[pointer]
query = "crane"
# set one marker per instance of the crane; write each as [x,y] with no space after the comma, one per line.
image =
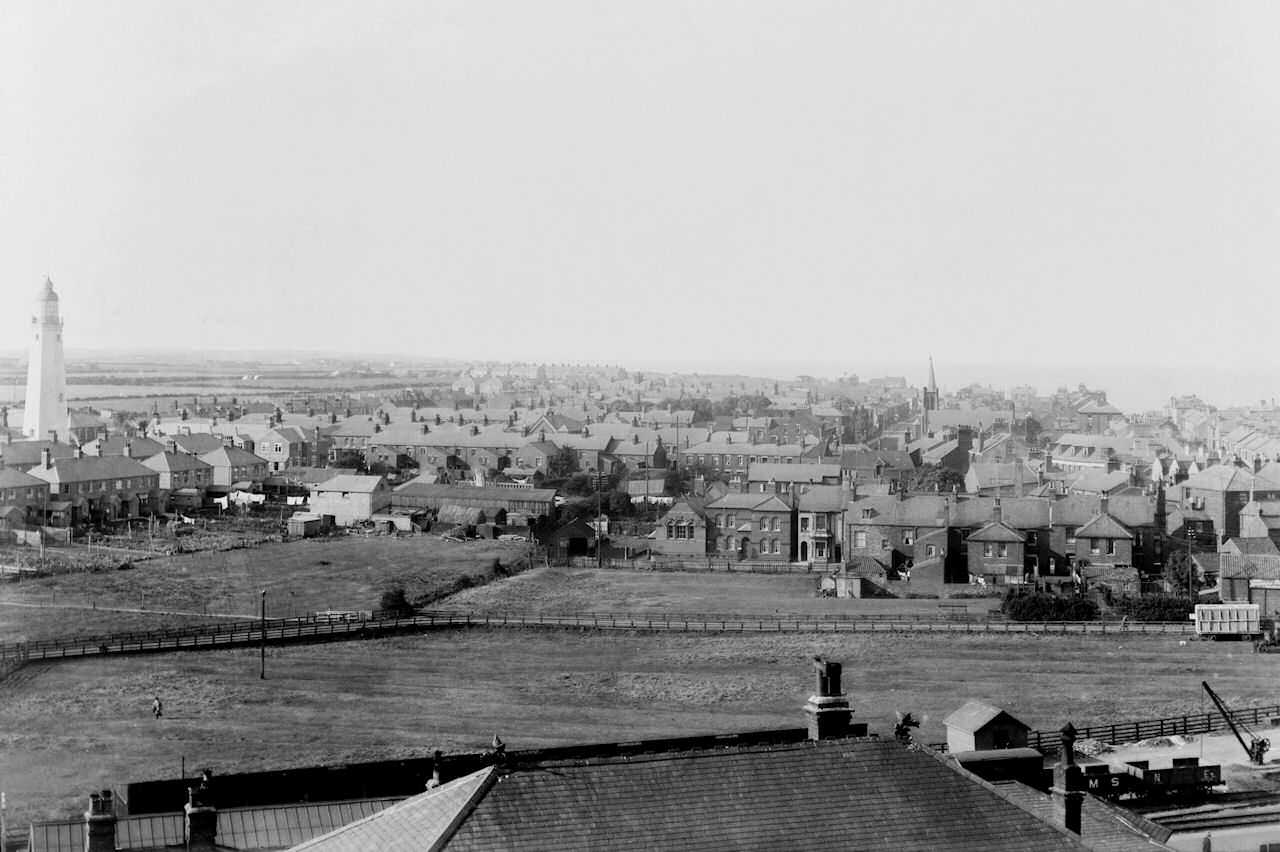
[1257,747]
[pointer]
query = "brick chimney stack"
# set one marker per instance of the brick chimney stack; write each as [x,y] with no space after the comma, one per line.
[100,823]
[128,450]
[997,513]
[202,817]
[46,458]
[828,708]
[1068,786]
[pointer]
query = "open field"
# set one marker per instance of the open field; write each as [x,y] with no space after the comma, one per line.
[69,728]
[299,577]
[558,589]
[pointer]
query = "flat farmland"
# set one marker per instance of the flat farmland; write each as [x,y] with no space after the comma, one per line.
[72,727]
[563,590]
[348,573]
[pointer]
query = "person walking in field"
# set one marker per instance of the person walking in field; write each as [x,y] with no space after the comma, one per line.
[157,708]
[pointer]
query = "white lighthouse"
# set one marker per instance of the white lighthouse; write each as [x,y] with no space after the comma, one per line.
[46,409]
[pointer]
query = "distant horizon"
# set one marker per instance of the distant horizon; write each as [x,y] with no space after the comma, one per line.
[1134,390]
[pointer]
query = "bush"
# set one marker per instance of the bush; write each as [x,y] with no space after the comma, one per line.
[1038,606]
[394,602]
[1155,608]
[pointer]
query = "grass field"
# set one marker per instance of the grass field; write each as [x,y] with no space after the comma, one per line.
[560,590]
[299,577]
[72,727]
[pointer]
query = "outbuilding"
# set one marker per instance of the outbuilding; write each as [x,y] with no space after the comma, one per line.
[978,726]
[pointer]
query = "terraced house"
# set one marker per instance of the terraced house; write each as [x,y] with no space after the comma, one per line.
[93,489]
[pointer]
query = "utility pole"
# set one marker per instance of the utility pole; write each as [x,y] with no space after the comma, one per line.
[262,675]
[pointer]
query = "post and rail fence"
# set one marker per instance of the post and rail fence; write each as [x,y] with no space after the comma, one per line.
[1049,743]
[323,627]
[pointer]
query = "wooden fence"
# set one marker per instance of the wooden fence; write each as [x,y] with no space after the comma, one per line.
[289,630]
[1050,742]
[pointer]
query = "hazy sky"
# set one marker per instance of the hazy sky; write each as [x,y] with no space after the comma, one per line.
[1038,182]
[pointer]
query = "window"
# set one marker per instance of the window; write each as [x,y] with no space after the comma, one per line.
[930,550]
[1095,545]
[715,461]
[884,544]
[1111,547]
[720,520]
[537,462]
[908,536]
[1033,538]
[820,523]
[702,459]
[859,539]
[820,549]
[279,448]
[774,525]
[988,550]
[728,543]
[774,545]
[762,523]
[1071,535]
[804,523]
[732,519]
[866,513]
[1002,550]
[739,461]
[671,529]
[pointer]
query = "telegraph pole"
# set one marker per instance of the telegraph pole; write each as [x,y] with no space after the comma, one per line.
[262,675]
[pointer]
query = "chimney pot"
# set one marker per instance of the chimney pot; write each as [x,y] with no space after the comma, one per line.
[100,823]
[828,708]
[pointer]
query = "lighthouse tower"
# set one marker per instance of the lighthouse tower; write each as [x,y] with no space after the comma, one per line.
[46,376]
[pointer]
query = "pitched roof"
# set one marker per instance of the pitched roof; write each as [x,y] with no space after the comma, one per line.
[29,452]
[974,715]
[167,462]
[753,502]
[231,457]
[1104,826]
[1227,477]
[12,478]
[999,532]
[353,483]
[765,471]
[1103,526]
[867,793]
[426,821]
[89,468]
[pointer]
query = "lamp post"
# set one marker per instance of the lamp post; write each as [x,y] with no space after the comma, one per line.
[262,674]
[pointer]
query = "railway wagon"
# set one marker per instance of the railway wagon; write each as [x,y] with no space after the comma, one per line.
[1229,620]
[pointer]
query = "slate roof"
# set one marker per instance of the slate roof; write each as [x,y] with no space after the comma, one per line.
[1105,827]
[197,442]
[167,462]
[1103,526]
[765,471]
[1226,477]
[997,532]
[90,468]
[231,457]
[238,828]
[856,793]
[754,502]
[139,448]
[11,478]
[23,453]
[1099,482]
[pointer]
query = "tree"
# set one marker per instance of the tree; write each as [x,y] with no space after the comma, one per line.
[660,456]
[394,602]
[935,477]
[1180,573]
[563,463]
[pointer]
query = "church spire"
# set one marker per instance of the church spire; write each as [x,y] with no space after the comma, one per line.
[933,382]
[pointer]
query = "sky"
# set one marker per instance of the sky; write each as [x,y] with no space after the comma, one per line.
[845,182]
